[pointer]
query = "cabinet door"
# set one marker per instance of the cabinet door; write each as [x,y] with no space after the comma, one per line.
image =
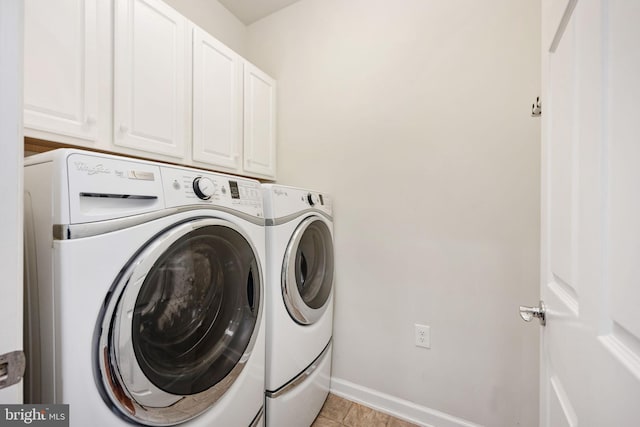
[149,77]
[259,122]
[217,98]
[60,67]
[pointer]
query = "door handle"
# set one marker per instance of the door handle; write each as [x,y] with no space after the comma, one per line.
[528,313]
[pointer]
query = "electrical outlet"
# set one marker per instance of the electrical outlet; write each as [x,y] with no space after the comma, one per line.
[423,336]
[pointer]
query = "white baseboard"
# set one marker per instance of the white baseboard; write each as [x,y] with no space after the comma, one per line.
[398,408]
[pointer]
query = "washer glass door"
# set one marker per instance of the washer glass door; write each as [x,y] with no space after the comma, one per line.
[181,322]
[307,271]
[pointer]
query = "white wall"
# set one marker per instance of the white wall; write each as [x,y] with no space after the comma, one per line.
[415,115]
[214,18]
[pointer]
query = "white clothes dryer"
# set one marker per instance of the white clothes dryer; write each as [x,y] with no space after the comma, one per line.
[145,292]
[299,291]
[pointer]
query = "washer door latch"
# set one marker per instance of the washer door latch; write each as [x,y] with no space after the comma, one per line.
[12,367]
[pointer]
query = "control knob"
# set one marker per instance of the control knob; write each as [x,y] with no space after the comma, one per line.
[203,187]
[310,199]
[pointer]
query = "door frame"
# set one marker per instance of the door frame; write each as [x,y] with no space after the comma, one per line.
[11,191]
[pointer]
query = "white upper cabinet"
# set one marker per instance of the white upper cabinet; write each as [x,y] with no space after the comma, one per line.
[217,103]
[60,69]
[233,111]
[259,123]
[150,57]
[135,77]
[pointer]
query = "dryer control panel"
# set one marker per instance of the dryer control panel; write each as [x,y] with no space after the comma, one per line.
[284,201]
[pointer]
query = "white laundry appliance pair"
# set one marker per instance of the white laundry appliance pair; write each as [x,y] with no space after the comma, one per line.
[145,292]
[299,295]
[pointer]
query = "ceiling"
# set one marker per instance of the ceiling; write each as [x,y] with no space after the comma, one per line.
[249,11]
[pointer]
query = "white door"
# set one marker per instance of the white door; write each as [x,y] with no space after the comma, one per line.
[217,103]
[60,68]
[11,195]
[149,77]
[259,122]
[590,277]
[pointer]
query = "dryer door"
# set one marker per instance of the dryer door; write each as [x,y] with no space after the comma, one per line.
[307,271]
[180,323]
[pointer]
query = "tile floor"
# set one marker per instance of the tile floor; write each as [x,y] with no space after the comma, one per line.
[338,412]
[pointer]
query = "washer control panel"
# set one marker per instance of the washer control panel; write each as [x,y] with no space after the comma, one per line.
[184,186]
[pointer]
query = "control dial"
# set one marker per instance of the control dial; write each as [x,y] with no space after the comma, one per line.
[310,199]
[203,187]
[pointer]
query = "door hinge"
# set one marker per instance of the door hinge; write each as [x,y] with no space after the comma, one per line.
[12,367]
[536,108]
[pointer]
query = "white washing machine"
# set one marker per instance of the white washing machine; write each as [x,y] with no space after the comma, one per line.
[299,291]
[145,292]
